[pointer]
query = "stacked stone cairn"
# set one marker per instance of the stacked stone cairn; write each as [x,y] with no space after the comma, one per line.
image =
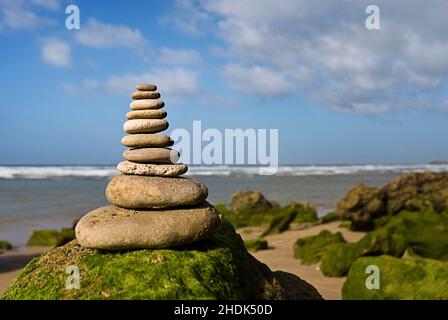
[151,205]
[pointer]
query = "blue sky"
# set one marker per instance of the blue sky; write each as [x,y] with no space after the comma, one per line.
[337,92]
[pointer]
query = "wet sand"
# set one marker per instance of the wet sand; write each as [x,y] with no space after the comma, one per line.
[280,256]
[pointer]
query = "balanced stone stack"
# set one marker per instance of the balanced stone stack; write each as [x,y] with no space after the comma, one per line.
[152,206]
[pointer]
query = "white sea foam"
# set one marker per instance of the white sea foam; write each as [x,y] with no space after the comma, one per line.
[55,172]
[49,172]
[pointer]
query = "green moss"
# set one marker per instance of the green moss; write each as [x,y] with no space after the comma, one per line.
[256,244]
[215,268]
[346,224]
[276,220]
[339,257]
[306,213]
[51,237]
[5,245]
[311,249]
[424,233]
[330,217]
[247,218]
[399,279]
[281,223]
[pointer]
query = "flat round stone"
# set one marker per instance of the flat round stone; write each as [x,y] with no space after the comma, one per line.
[137,95]
[145,104]
[137,192]
[144,140]
[145,125]
[146,87]
[146,114]
[113,228]
[166,170]
[152,155]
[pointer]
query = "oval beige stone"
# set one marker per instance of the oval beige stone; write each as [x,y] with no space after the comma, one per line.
[145,125]
[145,104]
[152,155]
[166,170]
[144,140]
[137,95]
[113,228]
[146,87]
[136,192]
[146,114]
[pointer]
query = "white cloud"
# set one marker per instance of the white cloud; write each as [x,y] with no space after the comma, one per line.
[21,15]
[188,17]
[179,56]
[257,80]
[101,35]
[56,53]
[322,49]
[52,5]
[175,83]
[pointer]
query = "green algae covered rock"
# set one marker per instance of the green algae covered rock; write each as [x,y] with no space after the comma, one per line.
[362,205]
[339,257]
[311,249]
[276,219]
[280,223]
[345,224]
[256,244]
[423,233]
[216,268]
[399,279]
[250,201]
[306,213]
[5,246]
[330,217]
[49,238]
[409,192]
[248,218]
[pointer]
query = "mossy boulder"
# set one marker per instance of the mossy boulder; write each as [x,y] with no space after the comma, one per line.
[276,219]
[306,213]
[49,238]
[330,217]
[409,192]
[5,246]
[424,234]
[280,223]
[345,224]
[339,257]
[253,218]
[216,268]
[362,205]
[256,244]
[311,249]
[428,187]
[400,279]
[249,201]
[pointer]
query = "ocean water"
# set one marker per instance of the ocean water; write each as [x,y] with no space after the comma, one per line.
[47,197]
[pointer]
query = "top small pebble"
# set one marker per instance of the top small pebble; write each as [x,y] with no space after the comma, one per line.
[146,87]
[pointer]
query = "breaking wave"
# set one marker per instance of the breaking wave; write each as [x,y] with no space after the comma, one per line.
[98,172]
